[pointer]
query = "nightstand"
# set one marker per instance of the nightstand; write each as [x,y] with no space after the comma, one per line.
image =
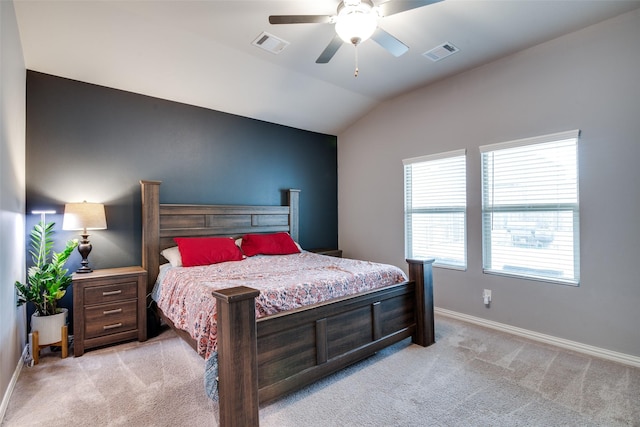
[331,252]
[109,306]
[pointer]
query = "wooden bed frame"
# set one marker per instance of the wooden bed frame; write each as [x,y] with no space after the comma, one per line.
[262,360]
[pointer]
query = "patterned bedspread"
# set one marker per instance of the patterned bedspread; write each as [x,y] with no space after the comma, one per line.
[285,282]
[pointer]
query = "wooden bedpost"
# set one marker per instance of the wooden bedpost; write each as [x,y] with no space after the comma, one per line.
[421,272]
[237,356]
[294,213]
[150,230]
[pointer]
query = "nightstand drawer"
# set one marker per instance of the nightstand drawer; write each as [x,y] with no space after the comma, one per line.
[110,318]
[110,292]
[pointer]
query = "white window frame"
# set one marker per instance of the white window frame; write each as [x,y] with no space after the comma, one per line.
[531,264]
[459,261]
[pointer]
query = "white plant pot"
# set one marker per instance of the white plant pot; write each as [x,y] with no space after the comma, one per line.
[49,327]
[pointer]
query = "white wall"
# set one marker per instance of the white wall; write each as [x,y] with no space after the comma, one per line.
[12,192]
[586,80]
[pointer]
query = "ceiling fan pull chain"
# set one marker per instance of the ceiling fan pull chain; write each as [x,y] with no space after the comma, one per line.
[355,74]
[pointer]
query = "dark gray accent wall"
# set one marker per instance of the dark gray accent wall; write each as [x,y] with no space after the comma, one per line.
[87,142]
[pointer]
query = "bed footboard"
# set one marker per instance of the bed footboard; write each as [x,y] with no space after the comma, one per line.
[262,360]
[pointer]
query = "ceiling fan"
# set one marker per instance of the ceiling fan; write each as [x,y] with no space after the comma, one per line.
[355,22]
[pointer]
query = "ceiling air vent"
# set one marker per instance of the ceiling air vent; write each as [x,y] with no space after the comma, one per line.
[441,52]
[270,43]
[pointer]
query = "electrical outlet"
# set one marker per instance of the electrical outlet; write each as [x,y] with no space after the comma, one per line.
[486,296]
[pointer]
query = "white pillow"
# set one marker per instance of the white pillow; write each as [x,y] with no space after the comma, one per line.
[173,256]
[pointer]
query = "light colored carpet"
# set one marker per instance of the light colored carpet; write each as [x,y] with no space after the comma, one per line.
[472,376]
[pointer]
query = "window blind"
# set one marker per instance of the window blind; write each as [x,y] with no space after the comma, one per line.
[435,208]
[530,210]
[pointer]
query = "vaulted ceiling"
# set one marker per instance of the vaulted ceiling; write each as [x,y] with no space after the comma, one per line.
[201,52]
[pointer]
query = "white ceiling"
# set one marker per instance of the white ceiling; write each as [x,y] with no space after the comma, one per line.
[200,52]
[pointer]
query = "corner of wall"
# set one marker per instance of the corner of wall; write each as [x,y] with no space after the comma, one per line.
[12,197]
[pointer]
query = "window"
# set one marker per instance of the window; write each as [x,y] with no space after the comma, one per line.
[436,208]
[530,215]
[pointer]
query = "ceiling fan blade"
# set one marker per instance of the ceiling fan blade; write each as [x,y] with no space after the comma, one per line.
[394,46]
[299,19]
[392,7]
[330,50]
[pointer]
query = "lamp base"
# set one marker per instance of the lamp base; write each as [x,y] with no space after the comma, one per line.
[84,247]
[84,269]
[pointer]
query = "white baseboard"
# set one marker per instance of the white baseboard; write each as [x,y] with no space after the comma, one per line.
[12,383]
[627,359]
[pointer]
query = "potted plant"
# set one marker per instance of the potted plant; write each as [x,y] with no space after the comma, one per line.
[47,282]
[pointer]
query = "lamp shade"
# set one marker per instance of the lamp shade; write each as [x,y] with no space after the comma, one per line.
[84,216]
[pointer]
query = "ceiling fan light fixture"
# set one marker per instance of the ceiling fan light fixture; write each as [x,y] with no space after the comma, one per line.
[356,21]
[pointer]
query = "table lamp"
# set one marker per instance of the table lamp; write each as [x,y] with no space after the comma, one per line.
[84,216]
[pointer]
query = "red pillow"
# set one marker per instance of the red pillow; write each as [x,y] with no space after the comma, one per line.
[269,244]
[207,250]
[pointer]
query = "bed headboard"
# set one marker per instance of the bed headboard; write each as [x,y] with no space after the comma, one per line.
[162,222]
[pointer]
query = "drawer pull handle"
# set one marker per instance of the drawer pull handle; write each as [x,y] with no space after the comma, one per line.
[115,325]
[108,293]
[115,311]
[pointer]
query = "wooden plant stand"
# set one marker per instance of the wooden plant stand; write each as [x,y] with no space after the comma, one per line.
[64,343]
